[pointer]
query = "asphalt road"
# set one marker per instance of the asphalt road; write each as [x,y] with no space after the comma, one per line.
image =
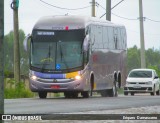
[62,105]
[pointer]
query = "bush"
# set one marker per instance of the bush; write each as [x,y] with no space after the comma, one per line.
[13,93]
[18,92]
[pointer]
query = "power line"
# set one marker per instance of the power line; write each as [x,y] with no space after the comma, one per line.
[124,17]
[117,4]
[97,4]
[62,7]
[152,20]
[47,7]
[113,13]
[146,34]
[146,18]
[111,8]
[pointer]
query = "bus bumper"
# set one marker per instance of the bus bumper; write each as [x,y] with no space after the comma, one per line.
[60,85]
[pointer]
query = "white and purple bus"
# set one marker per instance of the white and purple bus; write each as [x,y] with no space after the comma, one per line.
[73,54]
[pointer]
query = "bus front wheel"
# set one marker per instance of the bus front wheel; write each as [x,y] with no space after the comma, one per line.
[42,95]
[85,94]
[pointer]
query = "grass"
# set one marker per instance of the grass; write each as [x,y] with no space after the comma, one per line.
[16,90]
[14,93]
[120,91]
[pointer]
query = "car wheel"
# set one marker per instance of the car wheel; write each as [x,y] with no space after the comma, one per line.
[154,92]
[157,92]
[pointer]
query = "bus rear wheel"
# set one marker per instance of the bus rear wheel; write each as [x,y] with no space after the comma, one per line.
[113,92]
[42,95]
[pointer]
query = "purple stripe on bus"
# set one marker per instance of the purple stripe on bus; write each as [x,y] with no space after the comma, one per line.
[49,76]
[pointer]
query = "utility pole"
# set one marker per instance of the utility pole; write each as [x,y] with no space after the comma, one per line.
[1,57]
[14,6]
[93,8]
[143,61]
[108,10]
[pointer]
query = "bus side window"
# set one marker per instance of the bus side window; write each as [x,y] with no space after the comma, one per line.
[120,42]
[105,37]
[123,37]
[99,37]
[111,38]
[93,37]
[86,57]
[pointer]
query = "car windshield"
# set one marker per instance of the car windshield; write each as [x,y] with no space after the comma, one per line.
[57,51]
[140,74]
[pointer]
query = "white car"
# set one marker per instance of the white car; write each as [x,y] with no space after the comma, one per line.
[142,81]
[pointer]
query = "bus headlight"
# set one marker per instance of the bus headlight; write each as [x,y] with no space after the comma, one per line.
[33,77]
[78,77]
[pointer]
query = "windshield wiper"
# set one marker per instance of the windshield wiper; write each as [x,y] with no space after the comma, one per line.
[62,56]
[61,53]
[48,56]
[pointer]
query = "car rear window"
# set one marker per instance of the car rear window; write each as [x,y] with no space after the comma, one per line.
[141,74]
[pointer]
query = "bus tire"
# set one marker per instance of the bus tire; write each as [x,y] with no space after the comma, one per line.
[74,95]
[66,95]
[113,92]
[91,84]
[85,94]
[119,80]
[42,95]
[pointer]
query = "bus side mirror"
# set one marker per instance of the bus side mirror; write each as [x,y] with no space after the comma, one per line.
[86,43]
[25,42]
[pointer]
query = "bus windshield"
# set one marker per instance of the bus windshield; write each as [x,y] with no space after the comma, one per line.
[56,50]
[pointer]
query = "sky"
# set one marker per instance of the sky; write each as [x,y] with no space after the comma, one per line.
[126,13]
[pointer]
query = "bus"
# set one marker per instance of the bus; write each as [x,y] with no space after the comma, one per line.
[77,56]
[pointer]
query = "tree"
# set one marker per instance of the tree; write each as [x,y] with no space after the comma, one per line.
[24,62]
[133,58]
[8,45]
[152,58]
